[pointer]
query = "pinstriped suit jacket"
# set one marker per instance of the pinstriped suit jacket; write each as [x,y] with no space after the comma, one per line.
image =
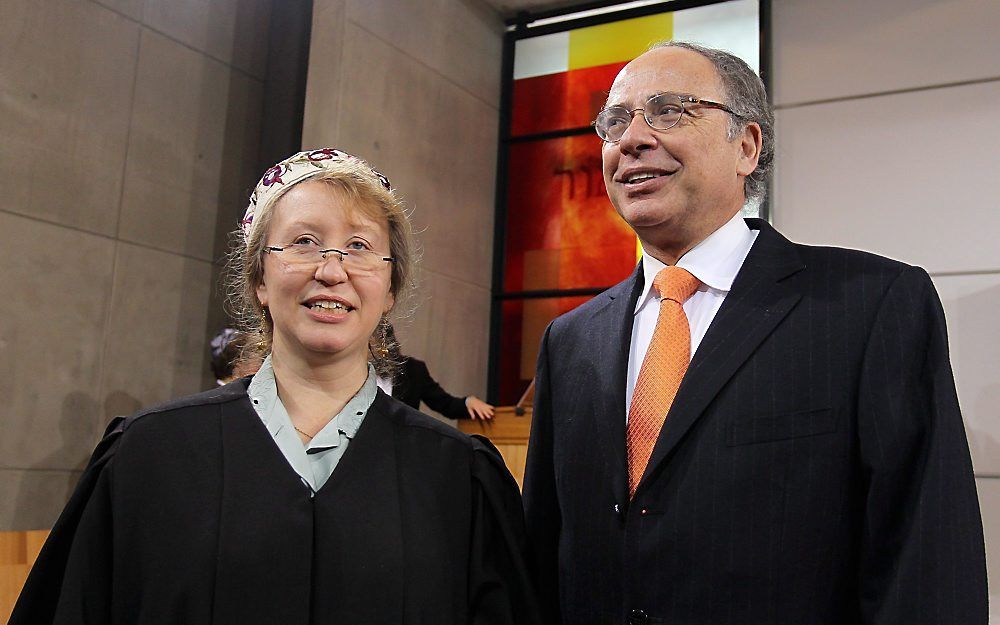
[813,469]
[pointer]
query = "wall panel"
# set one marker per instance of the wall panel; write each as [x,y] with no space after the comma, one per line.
[989,502]
[120,121]
[413,87]
[64,125]
[840,49]
[910,176]
[57,283]
[971,303]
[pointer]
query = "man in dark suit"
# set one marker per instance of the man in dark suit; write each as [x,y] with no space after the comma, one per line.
[746,430]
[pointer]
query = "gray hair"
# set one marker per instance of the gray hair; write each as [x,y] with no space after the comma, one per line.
[745,94]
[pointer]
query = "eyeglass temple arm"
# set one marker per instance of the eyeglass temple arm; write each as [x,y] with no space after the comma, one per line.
[693,100]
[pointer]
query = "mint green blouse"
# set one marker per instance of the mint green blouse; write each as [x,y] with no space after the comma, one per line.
[316,461]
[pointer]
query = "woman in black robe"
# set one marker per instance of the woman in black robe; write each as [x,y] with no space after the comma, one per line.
[302,495]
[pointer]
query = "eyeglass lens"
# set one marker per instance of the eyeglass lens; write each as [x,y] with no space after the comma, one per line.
[309,256]
[662,112]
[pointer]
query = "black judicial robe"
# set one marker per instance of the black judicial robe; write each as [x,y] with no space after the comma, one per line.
[189,513]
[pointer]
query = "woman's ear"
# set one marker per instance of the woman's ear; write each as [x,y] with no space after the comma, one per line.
[262,294]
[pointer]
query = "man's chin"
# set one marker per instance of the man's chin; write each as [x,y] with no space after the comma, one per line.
[647,214]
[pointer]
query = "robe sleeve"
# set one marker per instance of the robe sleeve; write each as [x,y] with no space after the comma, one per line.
[500,587]
[70,581]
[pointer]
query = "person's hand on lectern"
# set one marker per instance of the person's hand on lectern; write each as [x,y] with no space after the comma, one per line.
[478,409]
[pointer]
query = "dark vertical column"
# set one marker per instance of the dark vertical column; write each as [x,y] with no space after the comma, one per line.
[249,151]
[285,84]
[765,75]
[500,218]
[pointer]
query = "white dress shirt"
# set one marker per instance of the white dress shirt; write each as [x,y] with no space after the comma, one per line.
[385,384]
[715,262]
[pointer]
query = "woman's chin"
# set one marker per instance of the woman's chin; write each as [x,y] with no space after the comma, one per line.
[326,349]
[323,346]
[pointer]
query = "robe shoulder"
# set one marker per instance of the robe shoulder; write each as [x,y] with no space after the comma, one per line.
[486,461]
[407,417]
[232,392]
[82,533]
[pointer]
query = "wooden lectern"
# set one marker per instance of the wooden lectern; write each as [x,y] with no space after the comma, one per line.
[508,430]
[18,551]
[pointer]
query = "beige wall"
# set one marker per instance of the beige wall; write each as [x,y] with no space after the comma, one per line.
[887,140]
[414,86]
[124,126]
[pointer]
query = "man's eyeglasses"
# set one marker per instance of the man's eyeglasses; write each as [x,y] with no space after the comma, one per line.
[302,257]
[661,112]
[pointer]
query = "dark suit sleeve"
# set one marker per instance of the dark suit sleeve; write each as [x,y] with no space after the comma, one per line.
[70,581]
[923,557]
[433,395]
[501,591]
[541,504]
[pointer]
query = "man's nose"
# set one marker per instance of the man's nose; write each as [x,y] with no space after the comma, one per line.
[639,135]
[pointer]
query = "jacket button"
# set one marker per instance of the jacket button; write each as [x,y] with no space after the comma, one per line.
[637,617]
[644,511]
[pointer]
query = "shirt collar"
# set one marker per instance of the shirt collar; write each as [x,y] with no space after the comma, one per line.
[263,392]
[715,261]
[348,420]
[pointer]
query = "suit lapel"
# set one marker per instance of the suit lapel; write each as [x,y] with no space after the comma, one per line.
[764,292]
[612,330]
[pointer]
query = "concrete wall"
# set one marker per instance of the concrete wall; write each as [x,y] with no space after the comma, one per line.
[888,139]
[128,129]
[413,86]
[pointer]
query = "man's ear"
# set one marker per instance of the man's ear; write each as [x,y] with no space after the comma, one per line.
[750,146]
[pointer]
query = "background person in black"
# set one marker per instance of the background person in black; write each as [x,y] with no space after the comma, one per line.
[225,349]
[413,383]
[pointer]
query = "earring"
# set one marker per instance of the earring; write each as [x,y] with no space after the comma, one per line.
[262,344]
[381,339]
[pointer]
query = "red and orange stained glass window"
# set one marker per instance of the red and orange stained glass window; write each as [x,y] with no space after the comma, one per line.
[563,240]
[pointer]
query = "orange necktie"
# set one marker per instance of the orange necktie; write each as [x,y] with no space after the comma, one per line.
[662,369]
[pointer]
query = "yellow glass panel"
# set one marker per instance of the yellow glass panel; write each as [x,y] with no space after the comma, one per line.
[618,41]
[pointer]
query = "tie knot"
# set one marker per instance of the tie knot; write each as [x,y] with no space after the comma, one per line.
[675,283]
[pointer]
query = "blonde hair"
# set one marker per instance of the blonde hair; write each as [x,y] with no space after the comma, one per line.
[245,261]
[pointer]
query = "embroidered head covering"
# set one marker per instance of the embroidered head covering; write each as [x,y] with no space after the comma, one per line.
[293,169]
